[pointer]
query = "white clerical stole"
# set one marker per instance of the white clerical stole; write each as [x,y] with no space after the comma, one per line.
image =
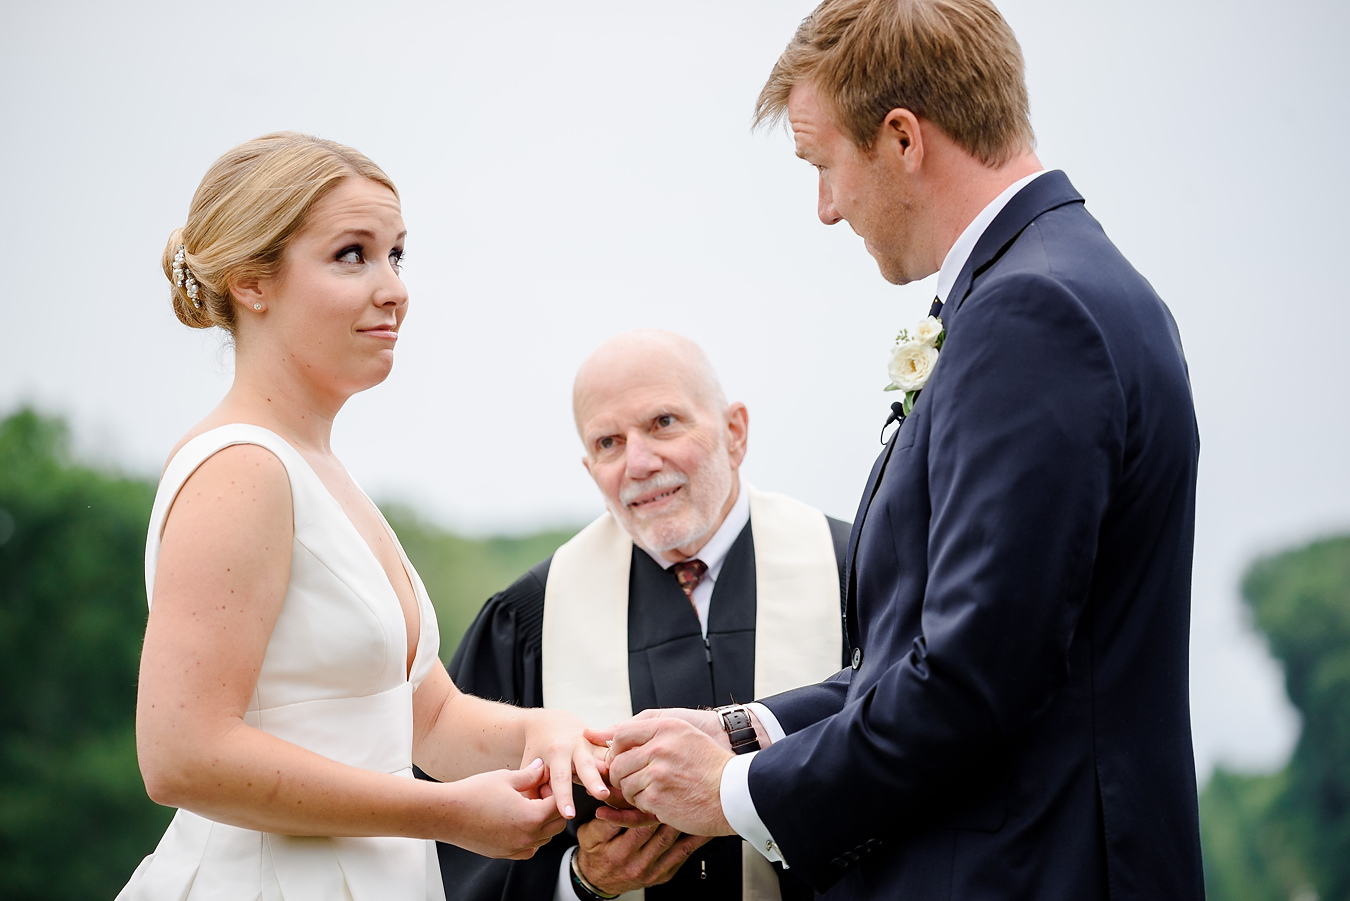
[797,628]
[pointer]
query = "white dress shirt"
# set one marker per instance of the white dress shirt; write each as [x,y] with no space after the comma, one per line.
[713,554]
[737,805]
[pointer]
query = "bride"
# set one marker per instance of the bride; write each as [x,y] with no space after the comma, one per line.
[289,678]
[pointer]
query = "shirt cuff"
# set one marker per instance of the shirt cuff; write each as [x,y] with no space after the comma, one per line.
[739,808]
[563,890]
[768,721]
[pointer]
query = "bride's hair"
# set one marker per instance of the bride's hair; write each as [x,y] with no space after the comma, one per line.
[249,205]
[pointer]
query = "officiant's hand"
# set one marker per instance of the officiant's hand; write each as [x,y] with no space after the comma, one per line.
[670,769]
[557,737]
[617,860]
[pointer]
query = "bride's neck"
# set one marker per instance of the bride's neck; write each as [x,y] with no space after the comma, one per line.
[283,401]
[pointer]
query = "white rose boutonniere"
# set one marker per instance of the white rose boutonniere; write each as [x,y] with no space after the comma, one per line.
[913,358]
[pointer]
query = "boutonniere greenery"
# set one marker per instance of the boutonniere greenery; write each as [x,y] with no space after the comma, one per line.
[913,358]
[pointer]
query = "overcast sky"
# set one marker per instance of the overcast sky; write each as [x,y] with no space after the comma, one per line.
[569,171]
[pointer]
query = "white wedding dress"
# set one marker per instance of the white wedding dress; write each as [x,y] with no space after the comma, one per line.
[333,681]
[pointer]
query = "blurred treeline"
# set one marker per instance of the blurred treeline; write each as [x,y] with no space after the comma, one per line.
[75,820]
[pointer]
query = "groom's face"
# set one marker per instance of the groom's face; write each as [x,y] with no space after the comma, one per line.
[867,189]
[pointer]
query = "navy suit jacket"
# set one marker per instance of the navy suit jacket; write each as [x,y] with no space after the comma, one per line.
[1019,595]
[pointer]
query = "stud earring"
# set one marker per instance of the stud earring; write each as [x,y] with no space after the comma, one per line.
[257,306]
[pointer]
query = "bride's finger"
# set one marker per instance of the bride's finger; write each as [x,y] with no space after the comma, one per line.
[583,761]
[560,780]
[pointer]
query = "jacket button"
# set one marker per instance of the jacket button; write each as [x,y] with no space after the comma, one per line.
[857,658]
[873,844]
[851,856]
[840,863]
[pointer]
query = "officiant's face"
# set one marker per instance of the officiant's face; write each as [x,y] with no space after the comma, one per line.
[869,191]
[662,455]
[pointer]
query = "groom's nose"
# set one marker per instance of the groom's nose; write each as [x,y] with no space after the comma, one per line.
[825,205]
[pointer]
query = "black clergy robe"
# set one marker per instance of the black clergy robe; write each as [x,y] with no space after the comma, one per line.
[669,665]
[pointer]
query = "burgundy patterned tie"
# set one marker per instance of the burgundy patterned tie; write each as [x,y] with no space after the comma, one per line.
[689,573]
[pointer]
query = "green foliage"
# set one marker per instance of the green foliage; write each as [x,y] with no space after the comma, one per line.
[74,816]
[461,573]
[1288,835]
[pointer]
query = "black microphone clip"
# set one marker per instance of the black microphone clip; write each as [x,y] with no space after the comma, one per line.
[897,415]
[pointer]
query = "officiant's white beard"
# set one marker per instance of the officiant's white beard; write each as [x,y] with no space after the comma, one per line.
[690,521]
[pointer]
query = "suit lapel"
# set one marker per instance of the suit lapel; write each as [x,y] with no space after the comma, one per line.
[873,481]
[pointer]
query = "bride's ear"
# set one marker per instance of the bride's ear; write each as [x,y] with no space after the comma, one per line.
[248,293]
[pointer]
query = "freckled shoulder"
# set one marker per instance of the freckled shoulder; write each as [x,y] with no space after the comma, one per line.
[240,487]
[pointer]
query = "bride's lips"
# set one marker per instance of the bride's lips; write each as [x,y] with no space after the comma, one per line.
[655,497]
[387,332]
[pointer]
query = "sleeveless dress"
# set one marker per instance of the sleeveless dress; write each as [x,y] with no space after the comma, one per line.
[333,681]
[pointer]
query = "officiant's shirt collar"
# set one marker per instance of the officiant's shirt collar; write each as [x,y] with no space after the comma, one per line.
[714,553]
[956,258]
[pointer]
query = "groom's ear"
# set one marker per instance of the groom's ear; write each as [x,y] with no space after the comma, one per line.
[900,138]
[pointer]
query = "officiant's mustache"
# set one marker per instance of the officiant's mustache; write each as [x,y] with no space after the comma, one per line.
[662,481]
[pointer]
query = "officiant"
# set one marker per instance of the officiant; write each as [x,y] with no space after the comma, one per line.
[692,590]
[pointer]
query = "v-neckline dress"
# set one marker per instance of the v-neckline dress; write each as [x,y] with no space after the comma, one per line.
[334,680]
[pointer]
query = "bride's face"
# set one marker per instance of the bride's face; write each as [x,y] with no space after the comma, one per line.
[334,308]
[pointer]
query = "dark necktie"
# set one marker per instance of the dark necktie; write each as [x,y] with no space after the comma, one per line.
[936,308]
[689,573]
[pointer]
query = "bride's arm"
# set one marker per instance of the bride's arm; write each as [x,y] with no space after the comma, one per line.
[223,569]
[457,734]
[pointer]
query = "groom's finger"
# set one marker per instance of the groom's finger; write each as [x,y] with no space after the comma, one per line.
[630,735]
[599,737]
[631,818]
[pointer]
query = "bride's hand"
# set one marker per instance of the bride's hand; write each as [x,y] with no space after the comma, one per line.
[504,814]
[556,736]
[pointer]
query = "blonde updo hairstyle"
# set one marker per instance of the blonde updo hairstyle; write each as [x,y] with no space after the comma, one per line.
[249,205]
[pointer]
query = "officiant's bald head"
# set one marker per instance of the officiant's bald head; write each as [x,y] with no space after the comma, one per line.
[661,441]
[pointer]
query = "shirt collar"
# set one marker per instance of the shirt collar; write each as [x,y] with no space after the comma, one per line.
[714,552]
[956,258]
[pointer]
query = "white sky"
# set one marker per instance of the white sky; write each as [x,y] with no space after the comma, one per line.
[570,171]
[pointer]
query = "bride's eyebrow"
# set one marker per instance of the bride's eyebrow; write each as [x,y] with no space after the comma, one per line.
[366,234]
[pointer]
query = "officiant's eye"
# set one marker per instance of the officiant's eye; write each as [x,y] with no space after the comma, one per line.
[665,420]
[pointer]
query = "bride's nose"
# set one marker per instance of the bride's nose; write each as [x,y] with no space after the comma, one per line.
[391,292]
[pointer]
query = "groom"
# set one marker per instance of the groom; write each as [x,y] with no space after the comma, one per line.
[1015,722]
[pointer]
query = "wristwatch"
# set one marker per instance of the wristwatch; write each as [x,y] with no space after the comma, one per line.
[740,728]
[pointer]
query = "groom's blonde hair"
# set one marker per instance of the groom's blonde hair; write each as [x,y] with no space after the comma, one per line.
[251,202]
[953,62]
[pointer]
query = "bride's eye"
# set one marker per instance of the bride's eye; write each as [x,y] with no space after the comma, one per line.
[396,258]
[351,254]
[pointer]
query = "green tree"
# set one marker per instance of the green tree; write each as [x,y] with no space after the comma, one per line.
[1288,835]
[74,816]
[461,573]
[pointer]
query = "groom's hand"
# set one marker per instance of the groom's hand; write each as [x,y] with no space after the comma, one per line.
[672,770]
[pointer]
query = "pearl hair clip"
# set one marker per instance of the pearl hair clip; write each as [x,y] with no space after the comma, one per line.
[182,277]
